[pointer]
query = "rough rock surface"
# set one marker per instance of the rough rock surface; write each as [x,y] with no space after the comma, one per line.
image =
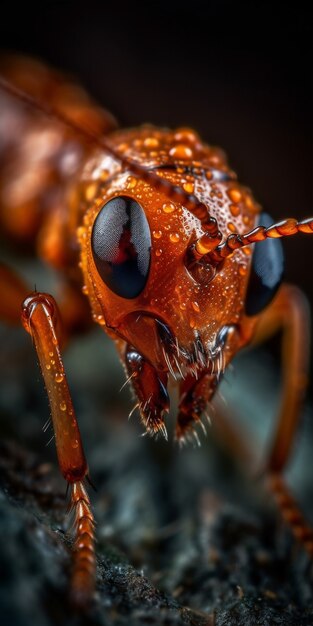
[184,537]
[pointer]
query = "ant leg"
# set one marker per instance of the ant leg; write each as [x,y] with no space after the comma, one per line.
[40,319]
[289,313]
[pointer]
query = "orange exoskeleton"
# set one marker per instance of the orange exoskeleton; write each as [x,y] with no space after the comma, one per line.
[154,228]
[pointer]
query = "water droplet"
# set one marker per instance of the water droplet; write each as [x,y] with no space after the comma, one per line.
[131,182]
[174,237]
[157,234]
[63,406]
[181,152]
[182,306]
[59,377]
[52,362]
[91,191]
[75,444]
[231,227]
[168,207]
[122,147]
[50,353]
[104,175]
[247,251]
[195,306]
[80,233]
[235,195]
[158,252]
[189,187]
[249,203]
[151,142]
[234,209]
[48,366]
[192,323]
[85,290]
[215,160]
[242,270]
[185,134]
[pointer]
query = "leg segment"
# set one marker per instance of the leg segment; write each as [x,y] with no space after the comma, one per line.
[84,566]
[289,312]
[290,512]
[40,319]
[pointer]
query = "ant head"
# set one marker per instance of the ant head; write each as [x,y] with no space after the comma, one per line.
[137,232]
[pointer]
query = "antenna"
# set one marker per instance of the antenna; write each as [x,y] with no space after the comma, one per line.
[174,192]
[285,228]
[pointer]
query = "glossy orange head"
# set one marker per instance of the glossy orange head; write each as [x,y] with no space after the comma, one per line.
[143,287]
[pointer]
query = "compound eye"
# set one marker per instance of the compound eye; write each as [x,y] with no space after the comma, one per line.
[121,246]
[266,271]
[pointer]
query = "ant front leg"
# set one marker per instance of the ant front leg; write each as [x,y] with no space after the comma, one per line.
[41,320]
[288,313]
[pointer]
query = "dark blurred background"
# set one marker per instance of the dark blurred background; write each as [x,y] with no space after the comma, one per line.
[238,73]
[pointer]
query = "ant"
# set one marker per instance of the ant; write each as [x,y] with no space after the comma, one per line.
[154,228]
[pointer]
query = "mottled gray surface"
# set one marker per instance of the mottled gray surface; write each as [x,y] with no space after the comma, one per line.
[182,535]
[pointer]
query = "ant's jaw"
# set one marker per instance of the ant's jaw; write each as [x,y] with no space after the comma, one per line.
[187,368]
[150,387]
[153,340]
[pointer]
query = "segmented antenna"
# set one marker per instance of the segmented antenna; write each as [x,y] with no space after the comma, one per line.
[285,228]
[174,192]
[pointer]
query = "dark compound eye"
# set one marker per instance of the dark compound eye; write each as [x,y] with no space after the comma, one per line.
[121,244]
[266,271]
